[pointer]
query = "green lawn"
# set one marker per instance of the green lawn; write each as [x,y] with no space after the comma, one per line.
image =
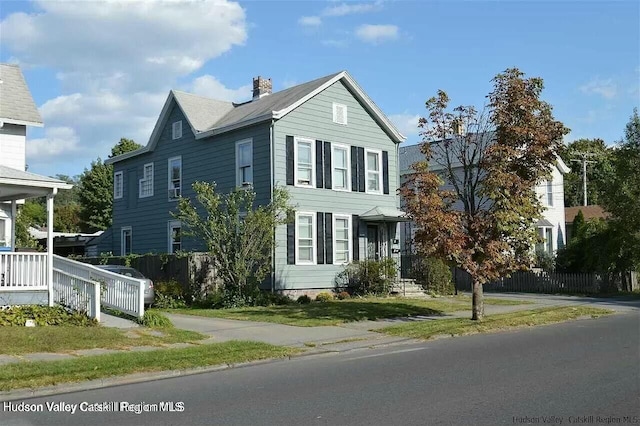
[460,326]
[339,311]
[22,340]
[47,373]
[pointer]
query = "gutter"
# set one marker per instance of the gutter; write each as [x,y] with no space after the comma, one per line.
[271,187]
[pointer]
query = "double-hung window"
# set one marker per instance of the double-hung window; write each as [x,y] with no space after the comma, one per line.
[175,177]
[340,159]
[305,238]
[146,183]
[175,236]
[244,162]
[373,171]
[117,185]
[125,240]
[304,162]
[341,239]
[3,233]
[549,193]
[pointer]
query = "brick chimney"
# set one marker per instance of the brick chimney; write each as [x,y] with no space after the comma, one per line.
[261,87]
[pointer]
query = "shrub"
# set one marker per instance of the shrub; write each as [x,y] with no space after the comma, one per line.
[169,295]
[344,295]
[324,297]
[43,316]
[304,299]
[545,260]
[368,276]
[155,319]
[433,275]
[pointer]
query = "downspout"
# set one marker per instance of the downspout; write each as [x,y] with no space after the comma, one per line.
[272,185]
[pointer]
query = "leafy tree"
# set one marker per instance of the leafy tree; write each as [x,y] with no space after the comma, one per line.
[622,198]
[123,146]
[482,220]
[239,236]
[23,222]
[95,193]
[599,169]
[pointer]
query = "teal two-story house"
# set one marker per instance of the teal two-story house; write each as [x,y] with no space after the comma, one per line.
[325,140]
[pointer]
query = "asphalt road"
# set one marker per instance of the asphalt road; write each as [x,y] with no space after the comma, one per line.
[583,372]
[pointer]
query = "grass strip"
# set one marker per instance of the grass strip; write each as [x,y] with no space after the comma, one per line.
[23,340]
[462,326]
[47,373]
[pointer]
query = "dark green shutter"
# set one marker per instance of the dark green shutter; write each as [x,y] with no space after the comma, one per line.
[328,237]
[291,243]
[354,168]
[290,160]
[385,172]
[361,170]
[327,165]
[355,226]
[319,163]
[320,237]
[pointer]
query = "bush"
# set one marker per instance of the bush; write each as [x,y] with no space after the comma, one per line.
[324,297]
[155,319]
[168,295]
[433,275]
[304,299]
[344,295]
[368,277]
[545,260]
[44,316]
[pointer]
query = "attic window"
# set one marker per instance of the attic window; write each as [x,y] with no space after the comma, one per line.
[340,114]
[177,130]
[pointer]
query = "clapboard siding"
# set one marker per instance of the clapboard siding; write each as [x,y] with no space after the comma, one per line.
[210,159]
[314,120]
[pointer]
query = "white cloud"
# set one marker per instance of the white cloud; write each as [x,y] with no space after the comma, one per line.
[310,21]
[352,8]
[289,83]
[608,89]
[407,124]
[377,33]
[142,42]
[334,43]
[210,87]
[57,142]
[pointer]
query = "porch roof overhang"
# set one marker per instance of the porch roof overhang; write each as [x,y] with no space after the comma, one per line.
[384,214]
[543,223]
[18,185]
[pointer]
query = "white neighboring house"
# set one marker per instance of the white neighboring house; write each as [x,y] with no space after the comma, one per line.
[17,111]
[551,226]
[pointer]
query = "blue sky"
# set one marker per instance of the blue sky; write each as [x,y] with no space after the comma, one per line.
[101,71]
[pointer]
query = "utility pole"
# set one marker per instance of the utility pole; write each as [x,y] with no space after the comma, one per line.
[583,159]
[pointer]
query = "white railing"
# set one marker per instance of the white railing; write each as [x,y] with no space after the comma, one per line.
[119,292]
[23,271]
[77,293]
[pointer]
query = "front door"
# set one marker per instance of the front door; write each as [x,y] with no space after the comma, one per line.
[373,242]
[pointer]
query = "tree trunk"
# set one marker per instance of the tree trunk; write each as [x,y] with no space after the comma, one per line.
[477,302]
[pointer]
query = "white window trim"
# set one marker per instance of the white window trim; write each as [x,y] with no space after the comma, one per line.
[548,189]
[335,116]
[170,186]
[239,182]
[314,239]
[118,189]
[312,182]
[172,224]
[4,241]
[366,169]
[333,166]
[176,130]
[349,237]
[144,179]
[122,245]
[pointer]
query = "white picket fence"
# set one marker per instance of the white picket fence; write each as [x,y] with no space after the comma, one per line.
[77,293]
[125,294]
[23,271]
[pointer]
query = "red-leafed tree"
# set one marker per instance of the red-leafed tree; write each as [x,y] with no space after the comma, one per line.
[473,197]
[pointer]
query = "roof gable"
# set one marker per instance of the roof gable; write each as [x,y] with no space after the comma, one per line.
[16,103]
[208,117]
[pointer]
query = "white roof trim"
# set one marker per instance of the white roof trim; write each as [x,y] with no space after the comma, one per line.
[360,94]
[22,122]
[35,183]
[561,165]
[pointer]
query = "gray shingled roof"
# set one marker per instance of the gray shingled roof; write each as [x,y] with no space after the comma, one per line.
[408,156]
[202,113]
[206,114]
[16,103]
[15,174]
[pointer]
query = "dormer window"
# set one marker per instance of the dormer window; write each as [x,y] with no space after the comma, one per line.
[340,114]
[177,130]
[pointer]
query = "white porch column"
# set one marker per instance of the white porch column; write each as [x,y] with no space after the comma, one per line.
[14,215]
[50,243]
